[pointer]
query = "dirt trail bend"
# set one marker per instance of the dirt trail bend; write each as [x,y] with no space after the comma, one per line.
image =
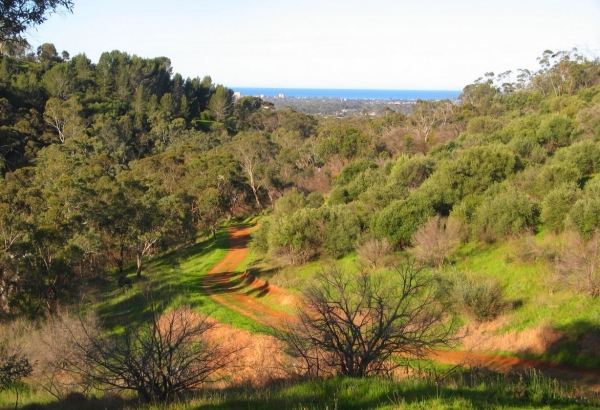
[223,286]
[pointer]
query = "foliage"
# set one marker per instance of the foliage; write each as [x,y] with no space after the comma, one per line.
[557,204]
[508,212]
[400,220]
[18,15]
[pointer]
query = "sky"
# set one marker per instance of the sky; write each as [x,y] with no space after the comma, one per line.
[377,44]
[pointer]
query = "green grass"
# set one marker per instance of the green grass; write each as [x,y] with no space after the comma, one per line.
[528,287]
[175,279]
[467,390]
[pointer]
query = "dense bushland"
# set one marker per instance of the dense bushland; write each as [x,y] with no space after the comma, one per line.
[106,163]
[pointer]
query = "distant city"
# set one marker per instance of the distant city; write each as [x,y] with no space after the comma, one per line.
[364,94]
[345,102]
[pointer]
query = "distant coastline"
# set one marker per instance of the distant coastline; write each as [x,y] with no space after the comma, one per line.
[349,93]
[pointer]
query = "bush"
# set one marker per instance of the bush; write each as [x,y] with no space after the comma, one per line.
[508,212]
[400,220]
[374,250]
[412,172]
[557,204]
[555,130]
[436,240]
[360,324]
[483,125]
[481,299]
[585,156]
[584,216]
[158,360]
[551,176]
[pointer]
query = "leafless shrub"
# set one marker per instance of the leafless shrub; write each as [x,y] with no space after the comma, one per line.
[55,347]
[374,250]
[436,240]
[158,359]
[577,263]
[353,324]
[294,255]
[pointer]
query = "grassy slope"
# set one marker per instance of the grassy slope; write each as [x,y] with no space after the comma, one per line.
[528,285]
[175,279]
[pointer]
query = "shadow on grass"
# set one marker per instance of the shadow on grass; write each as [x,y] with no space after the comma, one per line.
[162,282]
[470,389]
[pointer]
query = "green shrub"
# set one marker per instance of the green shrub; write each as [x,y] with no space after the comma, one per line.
[552,176]
[483,125]
[260,238]
[557,204]
[413,172]
[584,216]
[555,130]
[341,228]
[585,156]
[352,170]
[503,213]
[401,219]
[290,202]
[481,299]
[474,171]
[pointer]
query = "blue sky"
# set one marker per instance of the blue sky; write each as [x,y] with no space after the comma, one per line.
[381,44]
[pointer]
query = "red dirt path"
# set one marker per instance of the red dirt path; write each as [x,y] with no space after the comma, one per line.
[217,282]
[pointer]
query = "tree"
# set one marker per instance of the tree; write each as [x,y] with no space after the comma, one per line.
[436,239]
[64,117]
[12,369]
[254,151]
[221,103]
[18,15]
[360,324]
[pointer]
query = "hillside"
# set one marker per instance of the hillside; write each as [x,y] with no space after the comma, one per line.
[111,171]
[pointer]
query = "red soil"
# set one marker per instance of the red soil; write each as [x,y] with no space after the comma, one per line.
[217,283]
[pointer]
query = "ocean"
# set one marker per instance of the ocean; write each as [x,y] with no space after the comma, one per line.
[349,93]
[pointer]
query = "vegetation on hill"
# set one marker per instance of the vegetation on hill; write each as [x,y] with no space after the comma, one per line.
[104,164]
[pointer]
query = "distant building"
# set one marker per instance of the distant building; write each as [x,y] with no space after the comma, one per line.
[281,96]
[237,95]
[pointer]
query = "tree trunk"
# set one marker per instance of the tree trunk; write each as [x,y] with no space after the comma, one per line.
[139,264]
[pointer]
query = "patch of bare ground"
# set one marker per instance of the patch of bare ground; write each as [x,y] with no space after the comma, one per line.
[486,337]
[254,360]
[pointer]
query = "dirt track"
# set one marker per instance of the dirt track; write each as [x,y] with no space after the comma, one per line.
[218,285]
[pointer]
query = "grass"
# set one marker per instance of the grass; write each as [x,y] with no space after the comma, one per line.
[175,279]
[466,390]
[527,286]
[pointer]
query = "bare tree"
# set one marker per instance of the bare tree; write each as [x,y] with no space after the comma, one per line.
[159,359]
[578,262]
[436,239]
[374,250]
[56,349]
[362,324]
